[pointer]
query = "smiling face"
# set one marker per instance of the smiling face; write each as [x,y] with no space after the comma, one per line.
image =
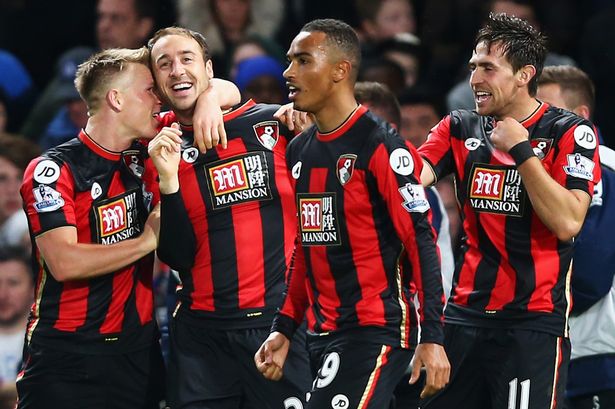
[309,73]
[181,73]
[493,81]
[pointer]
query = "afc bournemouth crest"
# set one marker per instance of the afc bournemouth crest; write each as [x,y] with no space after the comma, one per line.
[345,167]
[541,146]
[267,133]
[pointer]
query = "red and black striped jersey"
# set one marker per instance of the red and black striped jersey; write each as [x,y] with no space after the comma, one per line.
[513,270]
[230,230]
[107,196]
[367,246]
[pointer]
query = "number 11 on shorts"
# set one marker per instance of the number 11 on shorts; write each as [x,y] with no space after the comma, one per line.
[524,402]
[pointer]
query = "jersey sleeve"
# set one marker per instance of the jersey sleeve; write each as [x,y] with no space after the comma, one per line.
[437,149]
[48,192]
[177,243]
[296,299]
[577,164]
[396,167]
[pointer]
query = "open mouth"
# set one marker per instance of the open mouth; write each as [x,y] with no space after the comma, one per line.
[181,87]
[292,92]
[481,96]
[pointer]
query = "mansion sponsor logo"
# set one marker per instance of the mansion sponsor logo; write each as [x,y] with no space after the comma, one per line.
[240,179]
[318,219]
[117,219]
[496,189]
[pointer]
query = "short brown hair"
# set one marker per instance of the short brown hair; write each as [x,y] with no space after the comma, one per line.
[379,96]
[181,31]
[94,75]
[576,86]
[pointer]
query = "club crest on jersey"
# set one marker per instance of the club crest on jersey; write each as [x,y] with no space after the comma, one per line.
[267,133]
[47,199]
[579,166]
[496,189]
[318,219]
[117,218]
[541,146]
[190,155]
[415,200]
[345,167]
[135,164]
[243,178]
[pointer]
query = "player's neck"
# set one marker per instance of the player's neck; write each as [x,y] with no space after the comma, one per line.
[521,109]
[184,117]
[335,112]
[112,137]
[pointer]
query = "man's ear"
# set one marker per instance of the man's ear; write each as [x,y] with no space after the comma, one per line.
[342,70]
[525,75]
[114,99]
[209,69]
[582,111]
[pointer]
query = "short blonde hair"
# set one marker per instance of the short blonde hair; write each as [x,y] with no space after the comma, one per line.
[96,73]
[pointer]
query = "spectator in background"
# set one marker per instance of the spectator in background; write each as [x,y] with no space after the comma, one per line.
[73,114]
[384,71]
[591,376]
[16,293]
[119,24]
[260,78]
[383,19]
[254,46]
[406,52]
[16,89]
[15,154]
[225,23]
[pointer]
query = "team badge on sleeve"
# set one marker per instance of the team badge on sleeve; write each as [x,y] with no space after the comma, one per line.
[267,133]
[414,197]
[47,199]
[401,162]
[579,167]
[345,166]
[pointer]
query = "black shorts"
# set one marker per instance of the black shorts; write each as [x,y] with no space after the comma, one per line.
[352,372]
[58,379]
[503,368]
[210,368]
